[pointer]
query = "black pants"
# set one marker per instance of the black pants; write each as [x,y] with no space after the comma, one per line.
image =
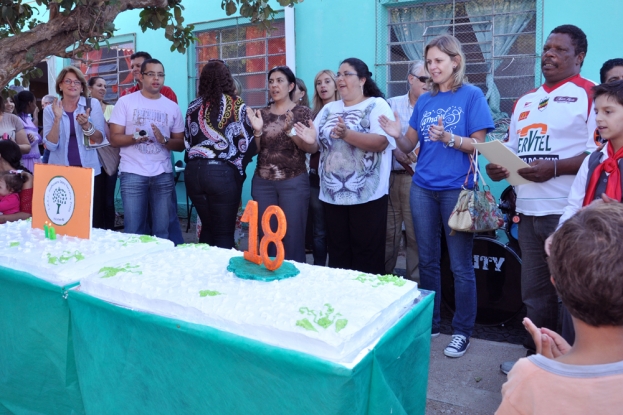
[356,235]
[215,188]
[99,202]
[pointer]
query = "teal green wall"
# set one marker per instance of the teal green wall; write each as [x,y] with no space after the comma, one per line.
[329,31]
[599,19]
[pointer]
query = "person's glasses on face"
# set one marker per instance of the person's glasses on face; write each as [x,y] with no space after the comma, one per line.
[69,82]
[345,74]
[422,79]
[154,74]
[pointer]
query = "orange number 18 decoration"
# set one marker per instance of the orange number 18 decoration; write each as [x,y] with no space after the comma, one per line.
[250,216]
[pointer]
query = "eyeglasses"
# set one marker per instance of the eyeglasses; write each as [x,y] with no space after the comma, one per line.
[154,74]
[69,82]
[422,79]
[339,74]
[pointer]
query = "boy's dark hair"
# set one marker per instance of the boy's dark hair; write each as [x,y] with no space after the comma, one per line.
[150,61]
[612,90]
[577,35]
[586,265]
[14,181]
[609,64]
[143,55]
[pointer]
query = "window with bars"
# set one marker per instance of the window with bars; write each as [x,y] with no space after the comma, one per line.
[249,51]
[112,64]
[498,39]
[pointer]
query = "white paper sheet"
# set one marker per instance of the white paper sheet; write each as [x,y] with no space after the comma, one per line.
[498,153]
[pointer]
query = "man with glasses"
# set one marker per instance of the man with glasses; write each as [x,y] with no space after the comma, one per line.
[147,126]
[403,165]
[136,61]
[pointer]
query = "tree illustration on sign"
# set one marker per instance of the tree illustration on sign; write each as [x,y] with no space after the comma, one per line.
[59,196]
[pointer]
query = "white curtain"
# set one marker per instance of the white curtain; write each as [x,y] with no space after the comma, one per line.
[411,30]
[514,23]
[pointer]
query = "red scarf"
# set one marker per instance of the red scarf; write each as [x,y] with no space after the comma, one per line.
[610,166]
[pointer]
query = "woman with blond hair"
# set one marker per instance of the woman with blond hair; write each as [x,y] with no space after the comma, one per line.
[446,121]
[66,124]
[325,91]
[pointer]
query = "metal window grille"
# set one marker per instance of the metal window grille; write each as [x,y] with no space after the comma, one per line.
[249,50]
[498,39]
[112,64]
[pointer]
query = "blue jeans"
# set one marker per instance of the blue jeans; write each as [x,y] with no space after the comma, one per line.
[215,188]
[430,210]
[292,196]
[139,193]
[316,210]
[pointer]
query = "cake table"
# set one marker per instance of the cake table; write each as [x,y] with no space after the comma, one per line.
[158,337]
[37,367]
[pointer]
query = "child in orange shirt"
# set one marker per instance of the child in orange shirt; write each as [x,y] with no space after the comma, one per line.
[587,267]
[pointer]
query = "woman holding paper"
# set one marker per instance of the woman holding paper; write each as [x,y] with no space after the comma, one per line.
[66,123]
[446,121]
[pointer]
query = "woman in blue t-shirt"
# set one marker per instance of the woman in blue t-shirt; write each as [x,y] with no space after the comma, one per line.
[446,121]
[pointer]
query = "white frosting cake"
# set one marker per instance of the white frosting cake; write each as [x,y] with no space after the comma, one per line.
[330,313]
[67,259]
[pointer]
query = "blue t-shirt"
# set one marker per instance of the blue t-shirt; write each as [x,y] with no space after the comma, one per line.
[464,112]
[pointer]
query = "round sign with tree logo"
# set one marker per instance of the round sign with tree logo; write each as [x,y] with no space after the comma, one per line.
[59,200]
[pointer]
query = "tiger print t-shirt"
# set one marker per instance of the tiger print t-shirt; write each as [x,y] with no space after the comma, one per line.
[349,175]
[280,158]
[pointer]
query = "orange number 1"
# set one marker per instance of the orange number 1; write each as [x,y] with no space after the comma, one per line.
[250,216]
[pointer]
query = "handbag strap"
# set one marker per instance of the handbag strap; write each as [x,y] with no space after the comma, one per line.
[474,168]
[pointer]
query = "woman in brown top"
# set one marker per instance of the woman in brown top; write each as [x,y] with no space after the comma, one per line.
[284,133]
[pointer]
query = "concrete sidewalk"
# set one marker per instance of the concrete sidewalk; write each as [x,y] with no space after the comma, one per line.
[471,384]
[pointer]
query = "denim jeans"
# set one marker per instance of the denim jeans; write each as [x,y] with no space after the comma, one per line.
[175,229]
[215,188]
[430,210]
[140,193]
[316,211]
[292,196]
[537,291]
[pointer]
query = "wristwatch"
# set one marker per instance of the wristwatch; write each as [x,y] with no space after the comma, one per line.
[451,142]
[166,139]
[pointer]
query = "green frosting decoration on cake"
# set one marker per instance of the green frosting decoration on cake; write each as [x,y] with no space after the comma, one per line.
[112,271]
[13,244]
[208,293]
[249,271]
[379,280]
[203,247]
[65,257]
[321,319]
[138,239]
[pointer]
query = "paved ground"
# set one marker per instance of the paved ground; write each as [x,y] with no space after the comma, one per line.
[468,385]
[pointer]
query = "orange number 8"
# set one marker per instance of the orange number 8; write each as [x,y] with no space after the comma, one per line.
[250,216]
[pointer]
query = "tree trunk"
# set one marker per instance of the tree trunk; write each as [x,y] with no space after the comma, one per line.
[26,49]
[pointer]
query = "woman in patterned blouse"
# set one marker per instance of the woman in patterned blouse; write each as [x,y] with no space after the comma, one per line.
[217,136]
[284,133]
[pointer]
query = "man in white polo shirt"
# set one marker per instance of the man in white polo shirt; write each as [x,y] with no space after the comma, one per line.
[552,130]
[147,126]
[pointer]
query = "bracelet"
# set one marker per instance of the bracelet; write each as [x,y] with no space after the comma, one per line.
[90,131]
[255,133]
[460,143]
[555,168]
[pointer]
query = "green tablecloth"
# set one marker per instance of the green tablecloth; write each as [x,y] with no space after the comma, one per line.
[132,362]
[37,367]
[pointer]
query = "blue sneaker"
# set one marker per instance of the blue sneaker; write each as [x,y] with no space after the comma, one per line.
[457,346]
